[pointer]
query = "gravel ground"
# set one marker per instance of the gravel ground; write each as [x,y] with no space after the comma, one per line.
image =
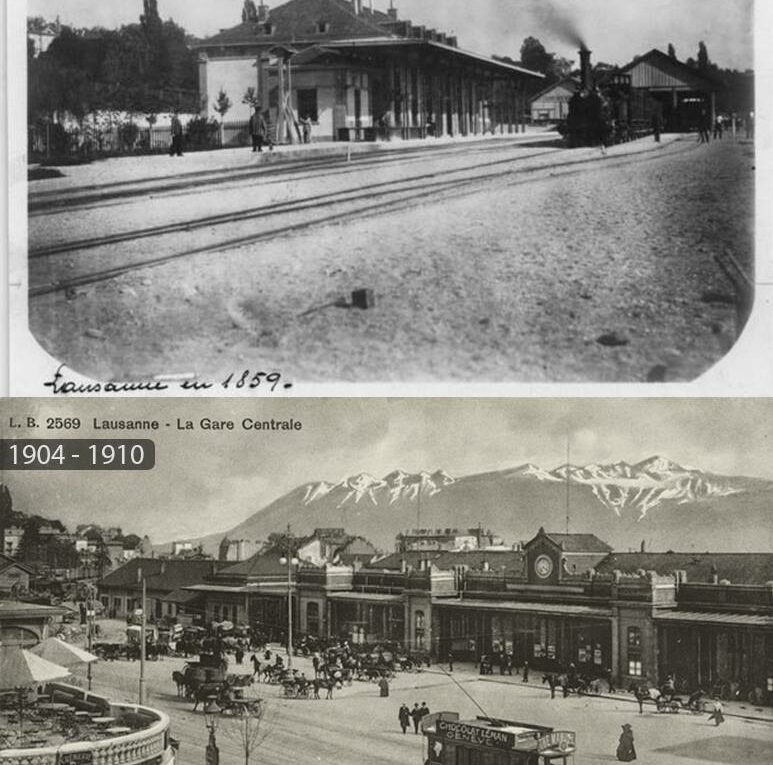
[515,283]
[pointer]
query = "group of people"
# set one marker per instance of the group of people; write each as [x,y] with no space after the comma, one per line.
[415,715]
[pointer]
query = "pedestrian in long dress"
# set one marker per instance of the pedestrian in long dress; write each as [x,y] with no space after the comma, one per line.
[450,662]
[257,130]
[625,748]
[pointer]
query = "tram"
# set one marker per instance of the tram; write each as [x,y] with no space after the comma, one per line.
[488,741]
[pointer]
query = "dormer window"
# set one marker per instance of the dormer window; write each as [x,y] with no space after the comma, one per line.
[268,28]
[323,27]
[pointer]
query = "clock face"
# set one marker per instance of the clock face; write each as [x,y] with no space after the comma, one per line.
[543,566]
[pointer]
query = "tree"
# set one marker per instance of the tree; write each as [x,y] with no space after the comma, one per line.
[221,106]
[246,730]
[534,56]
[672,51]
[250,98]
[703,56]
[249,11]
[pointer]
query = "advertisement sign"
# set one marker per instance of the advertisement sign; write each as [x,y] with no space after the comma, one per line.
[556,742]
[473,734]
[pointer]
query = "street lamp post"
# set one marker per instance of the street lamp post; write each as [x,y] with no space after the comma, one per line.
[289,561]
[211,717]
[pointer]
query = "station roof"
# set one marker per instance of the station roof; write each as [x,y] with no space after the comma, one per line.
[737,568]
[298,24]
[692,78]
[706,617]
[375,597]
[159,573]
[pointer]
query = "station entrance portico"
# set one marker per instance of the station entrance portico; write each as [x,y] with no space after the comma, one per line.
[547,639]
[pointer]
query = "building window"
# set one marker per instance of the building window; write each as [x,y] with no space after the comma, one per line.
[322,27]
[268,28]
[419,629]
[312,618]
[634,652]
[307,104]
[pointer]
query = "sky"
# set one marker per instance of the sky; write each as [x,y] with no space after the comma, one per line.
[208,482]
[615,30]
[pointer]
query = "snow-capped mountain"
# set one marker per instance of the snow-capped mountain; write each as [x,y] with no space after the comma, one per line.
[656,499]
[643,486]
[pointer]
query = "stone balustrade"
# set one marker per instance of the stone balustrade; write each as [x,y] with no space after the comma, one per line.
[149,745]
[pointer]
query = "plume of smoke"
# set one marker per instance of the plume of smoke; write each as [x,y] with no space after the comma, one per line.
[556,20]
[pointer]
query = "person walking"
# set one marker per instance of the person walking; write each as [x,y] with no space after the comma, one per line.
[177,136]
[416,717]
[255,665]
[257,130]
[704,127]
[404,716]
[525,676]
[717,713]
[383,686]
[625,748]
[450,662]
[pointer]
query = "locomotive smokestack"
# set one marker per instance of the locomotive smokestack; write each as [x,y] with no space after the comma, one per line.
[586,75]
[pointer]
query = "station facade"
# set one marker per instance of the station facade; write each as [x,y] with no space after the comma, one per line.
[560,599]
[358,74]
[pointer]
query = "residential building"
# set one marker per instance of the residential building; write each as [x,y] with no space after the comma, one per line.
[120,592]
[14,577]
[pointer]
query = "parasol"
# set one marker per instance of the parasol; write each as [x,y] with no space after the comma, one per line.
[66,655]
[21,669]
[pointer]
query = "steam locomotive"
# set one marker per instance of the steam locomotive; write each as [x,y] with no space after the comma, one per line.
[607,110]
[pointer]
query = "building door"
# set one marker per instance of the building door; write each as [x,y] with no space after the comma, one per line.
[357,108]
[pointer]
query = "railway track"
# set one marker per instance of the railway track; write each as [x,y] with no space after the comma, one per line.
[332,208]
[52,201]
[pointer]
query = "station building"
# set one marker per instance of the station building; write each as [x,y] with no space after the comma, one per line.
[562,598]
[683,92]
[358,74]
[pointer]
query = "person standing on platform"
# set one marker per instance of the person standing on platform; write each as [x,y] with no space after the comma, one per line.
[306,128]
[525,676]
[177,136]
[257,130]
[450,661]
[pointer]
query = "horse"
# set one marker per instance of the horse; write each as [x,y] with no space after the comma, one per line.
[180,682]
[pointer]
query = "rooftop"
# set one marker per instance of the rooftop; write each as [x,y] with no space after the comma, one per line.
[737,568]
[159,573]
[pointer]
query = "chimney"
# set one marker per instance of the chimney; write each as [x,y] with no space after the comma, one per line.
[643,546]
[392,10]
[714,575]
[586,76]
[262,13]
